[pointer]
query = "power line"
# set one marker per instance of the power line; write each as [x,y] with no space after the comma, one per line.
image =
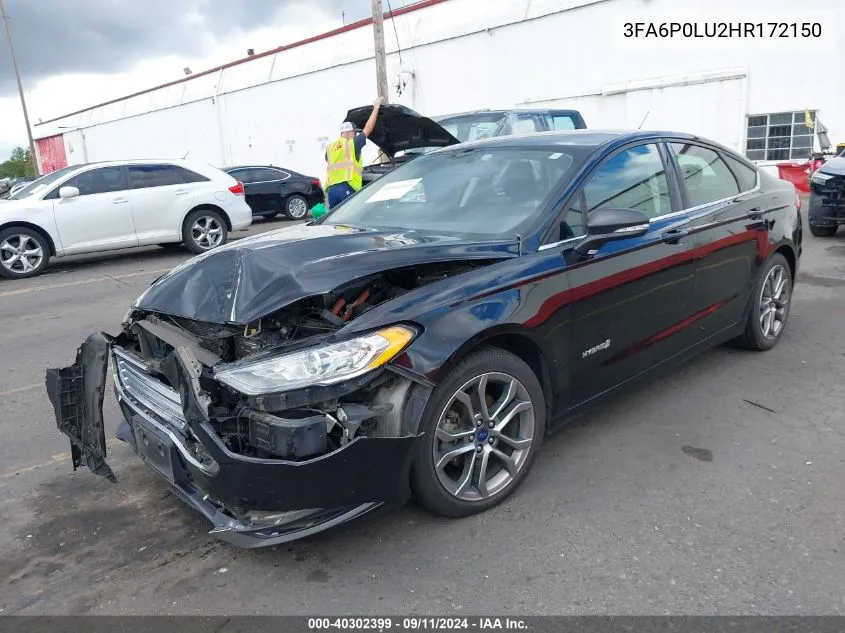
[396,32]
[5,19]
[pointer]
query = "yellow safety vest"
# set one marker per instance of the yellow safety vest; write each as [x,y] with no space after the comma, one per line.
[343,166]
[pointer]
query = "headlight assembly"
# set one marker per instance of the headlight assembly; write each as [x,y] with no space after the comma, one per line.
[324,365]
[820,178]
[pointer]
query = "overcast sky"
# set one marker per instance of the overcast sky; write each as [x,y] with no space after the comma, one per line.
[76,53]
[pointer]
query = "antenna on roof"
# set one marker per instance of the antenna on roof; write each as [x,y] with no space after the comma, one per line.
[186,155]
[643,121]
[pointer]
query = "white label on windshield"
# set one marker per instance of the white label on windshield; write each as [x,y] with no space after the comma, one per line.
[555,156]
[394,190]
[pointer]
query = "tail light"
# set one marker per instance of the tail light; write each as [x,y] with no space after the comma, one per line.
[797,201]
[316,182]
[237,189]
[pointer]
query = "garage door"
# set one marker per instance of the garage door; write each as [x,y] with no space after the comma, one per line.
[51,153]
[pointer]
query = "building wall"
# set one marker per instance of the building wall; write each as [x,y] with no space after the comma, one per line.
[465,54]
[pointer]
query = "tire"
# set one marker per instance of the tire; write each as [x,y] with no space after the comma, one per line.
[823,231]
[296,207]
[194,226]
[756,337]
[477,443]
[23,253]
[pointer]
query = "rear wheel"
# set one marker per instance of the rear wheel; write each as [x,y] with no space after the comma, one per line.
[770,306]
[203,230]
[482,427]
[296,207]
[823,231]
[23,253]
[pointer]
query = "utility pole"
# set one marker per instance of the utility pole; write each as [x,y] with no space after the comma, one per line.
[381,63]
[378,35]
[20,89]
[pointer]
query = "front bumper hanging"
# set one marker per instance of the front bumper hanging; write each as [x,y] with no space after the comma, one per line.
[250,501]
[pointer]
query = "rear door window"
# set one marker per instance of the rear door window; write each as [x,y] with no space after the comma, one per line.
[746,175]
[704,175]
[265,175]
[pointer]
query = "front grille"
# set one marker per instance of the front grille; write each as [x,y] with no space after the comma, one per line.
[147,390]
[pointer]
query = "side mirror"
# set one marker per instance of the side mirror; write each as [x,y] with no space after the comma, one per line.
[609,225]
[68,192]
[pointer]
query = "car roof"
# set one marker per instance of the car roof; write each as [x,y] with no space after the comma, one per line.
[233,167]
[503,111]
[581,138]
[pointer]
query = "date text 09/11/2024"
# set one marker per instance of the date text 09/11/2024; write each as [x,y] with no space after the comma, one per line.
[417,623]
[751,30]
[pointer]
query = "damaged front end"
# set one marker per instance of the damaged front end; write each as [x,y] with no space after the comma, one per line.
[273,430]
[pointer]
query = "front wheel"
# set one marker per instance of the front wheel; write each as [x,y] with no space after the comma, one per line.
[769,306]
[482,427]
[23,253]
[203,230]
[296,207]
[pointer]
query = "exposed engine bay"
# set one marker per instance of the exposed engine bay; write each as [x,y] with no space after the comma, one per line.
[291,425]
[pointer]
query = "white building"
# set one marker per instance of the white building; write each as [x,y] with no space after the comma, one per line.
[283,107]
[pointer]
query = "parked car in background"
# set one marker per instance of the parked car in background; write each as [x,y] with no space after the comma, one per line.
[827,197]
[471,126]
[119,204]
[403,134]
[272,190]
[425,335]
[16,185]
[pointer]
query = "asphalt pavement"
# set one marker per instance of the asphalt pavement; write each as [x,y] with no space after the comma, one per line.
[715,490]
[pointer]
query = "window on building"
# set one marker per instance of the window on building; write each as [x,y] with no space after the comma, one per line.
[780,136]
[706,176]
[632,179]
[145,176]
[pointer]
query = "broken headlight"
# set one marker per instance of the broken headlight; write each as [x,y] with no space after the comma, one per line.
[324,365]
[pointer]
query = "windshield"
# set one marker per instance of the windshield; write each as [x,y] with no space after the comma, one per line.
[478,192]
[470,127]
[37,186]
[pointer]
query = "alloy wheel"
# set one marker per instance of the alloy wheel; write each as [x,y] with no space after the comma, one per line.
[20,254]
[207,232]
[297,208]
[484,436]
[774,302]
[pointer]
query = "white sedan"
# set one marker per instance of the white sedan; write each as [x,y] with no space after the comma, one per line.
[118,204]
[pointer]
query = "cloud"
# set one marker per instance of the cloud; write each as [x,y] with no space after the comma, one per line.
[56,37]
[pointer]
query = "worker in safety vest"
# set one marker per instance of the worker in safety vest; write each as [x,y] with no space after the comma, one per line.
[345,169]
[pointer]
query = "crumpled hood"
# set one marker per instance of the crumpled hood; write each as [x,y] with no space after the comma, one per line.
[253,277]
[400,128]
[835,166]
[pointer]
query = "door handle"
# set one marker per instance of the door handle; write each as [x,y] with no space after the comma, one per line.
[674,236]
[120,200]
[755,214]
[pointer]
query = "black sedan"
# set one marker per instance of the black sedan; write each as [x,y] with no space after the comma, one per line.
[425,335]
[273,190]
